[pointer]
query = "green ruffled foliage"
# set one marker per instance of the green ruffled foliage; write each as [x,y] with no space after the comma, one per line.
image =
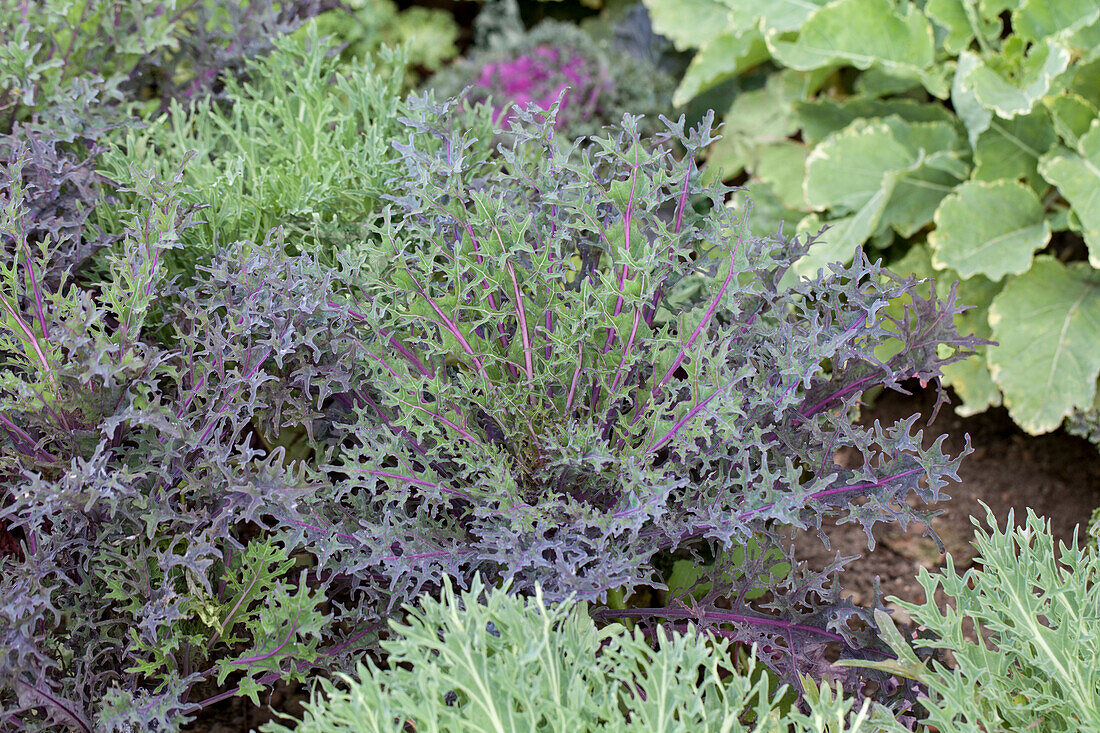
[482,660]
[968,131]
[304,142]
[486,660]
[1034,604]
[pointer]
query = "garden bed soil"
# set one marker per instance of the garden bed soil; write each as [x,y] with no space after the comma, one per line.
[1056,475]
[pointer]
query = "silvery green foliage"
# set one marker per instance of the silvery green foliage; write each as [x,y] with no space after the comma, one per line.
[301,142]
[1036,608]
[485,660]
[583,359]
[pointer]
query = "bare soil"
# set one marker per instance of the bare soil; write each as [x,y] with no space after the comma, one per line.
[1056,475]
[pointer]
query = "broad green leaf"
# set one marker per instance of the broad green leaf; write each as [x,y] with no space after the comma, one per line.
[1012,148]
[918,193]
[690,24]
[876,83]
[949,18]
[1047,323]
[1085,81]
[928,138]
[989,229]
[1085,43]
[958,30]
[721,58]
[901,169]
[1011,83]
[824,116]
[783,167]
[839,243]
[847,170]
[965,101]
[863,33]
[992,9]
[970,378]
[774,15]
[1059,216]
[1034,20]
[755,119]
[1077,176]
[1072,116]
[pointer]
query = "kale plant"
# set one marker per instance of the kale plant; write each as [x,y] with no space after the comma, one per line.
[69,62]
[1033,603]
[147,571]
[514,66]
[582,361]
[303,142]
[486,660]
[555,366]
[300,145]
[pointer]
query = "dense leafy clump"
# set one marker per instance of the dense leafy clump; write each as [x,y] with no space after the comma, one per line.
[581,360]
[485,660]
[552,365]
[1034,604]
[302,142]
[66,63]
[596,80]
[142,568]
[963,137]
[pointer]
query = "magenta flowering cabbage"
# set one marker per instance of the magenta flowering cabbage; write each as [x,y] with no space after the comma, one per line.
[596,82]
[540,77]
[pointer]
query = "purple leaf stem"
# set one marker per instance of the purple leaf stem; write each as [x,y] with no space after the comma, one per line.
[628,217]
[34,287]
[273,676]
[249,661]
[687,418]
[719,615]
[411,480]
[501,335]
[451,326]
[59,705]
[30,337]
[830,492]
[392,339]
[702,323]
[675,230]
[820,405]
[576,377]
[22,434]
[710,308]
[466,435]
[386,421]
[521,315]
